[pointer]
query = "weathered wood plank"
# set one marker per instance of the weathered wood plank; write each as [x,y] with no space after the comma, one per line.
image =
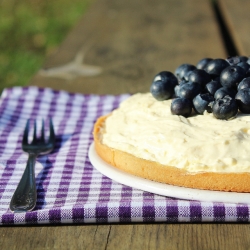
[131,41]
[126,237]
[236,15]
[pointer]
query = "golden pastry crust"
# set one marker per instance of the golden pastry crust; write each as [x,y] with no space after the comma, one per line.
[234,182]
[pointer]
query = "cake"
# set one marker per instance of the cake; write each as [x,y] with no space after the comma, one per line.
[143,138]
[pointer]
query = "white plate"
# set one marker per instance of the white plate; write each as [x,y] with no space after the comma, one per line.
[164,189]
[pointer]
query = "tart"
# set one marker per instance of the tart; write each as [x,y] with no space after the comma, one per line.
[144,139]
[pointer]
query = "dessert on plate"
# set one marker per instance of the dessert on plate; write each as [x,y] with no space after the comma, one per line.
[185,132]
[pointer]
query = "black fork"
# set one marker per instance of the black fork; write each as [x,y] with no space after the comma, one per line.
[25,196]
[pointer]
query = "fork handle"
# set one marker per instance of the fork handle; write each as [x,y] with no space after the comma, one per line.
[25,196]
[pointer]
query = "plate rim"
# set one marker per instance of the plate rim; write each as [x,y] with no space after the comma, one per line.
[163,189]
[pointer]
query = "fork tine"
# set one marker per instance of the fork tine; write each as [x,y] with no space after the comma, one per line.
[26,132]
[42,132]
[34,134]
[52,133]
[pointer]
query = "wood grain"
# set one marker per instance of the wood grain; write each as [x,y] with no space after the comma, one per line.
[236,15]
[131,41]
[127,237]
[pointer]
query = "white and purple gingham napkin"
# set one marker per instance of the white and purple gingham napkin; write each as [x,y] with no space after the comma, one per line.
[69,189]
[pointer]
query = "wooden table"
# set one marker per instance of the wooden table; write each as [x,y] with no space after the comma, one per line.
[118,47]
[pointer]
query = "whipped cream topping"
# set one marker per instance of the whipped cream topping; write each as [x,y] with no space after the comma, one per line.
[145,127]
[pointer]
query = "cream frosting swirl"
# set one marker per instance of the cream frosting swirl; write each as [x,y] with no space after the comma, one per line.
[145,127]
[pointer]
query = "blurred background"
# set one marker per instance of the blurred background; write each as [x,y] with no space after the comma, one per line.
[30,31]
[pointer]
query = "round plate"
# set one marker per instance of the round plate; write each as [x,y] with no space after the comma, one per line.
[164,189]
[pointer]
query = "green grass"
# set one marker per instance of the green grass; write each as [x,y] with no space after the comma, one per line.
[30,31]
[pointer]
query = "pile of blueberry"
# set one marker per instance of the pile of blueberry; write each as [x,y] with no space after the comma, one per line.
[218,86]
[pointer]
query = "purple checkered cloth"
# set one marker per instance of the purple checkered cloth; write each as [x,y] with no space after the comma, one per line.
[70,189]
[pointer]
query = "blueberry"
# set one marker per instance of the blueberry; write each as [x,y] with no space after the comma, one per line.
[245,83]
[213,86]
[203,102]
[186,78]
[182,71]
[243,99]
[176,90]
[243,58]
[248,73]
[233,60]
[203,62]
[181,106]
[163,85]
[225,108]
[231,76]
[216,66]
[182,82]
[244,65]
[223,91]
[200,76]
[236,59]
[189,90]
